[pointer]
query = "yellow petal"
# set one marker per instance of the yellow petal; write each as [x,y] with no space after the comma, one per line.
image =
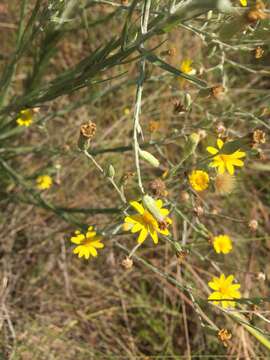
[142,236]
[137,206]
[154,235]
[230,167]
[212,150]
[92,251]
[220,143]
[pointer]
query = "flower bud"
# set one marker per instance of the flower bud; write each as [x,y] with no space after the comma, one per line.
[111,171]
[145,155]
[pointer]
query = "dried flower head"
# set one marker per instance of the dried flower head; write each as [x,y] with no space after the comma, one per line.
[256,13]
[127,263]
[221,129]
[218,92]
[224,183]
[198,210]
[127,177]
[178,107]
[182,255]
[258,137]
[224,336]
[261,276]
[158,188]
[88,130]
[153,126]
[258,52]
[184,196]
[202,134]
[253,225]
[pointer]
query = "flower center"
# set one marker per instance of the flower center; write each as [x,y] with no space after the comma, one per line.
[148,218]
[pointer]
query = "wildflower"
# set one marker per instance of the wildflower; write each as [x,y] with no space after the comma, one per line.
[225,161]
[224,291]
[44,182]
[224,183]
[199,180]
[25,118]
[87,243]
[224,336]
[222,244]
[145,223]
[186,67]
[243,2]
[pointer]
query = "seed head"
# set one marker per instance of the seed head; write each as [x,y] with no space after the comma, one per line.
[178,107]
[158,188]
[184,196]
[127,263]
[199,211]
[224,336]
[88,130]
[253,225]
[258,137]
[224,183]
[258,52]
[217,91]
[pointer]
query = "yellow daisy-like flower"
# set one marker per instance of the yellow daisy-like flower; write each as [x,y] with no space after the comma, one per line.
[25,118]
[44,182]
[243,2]
[225,161]
[87,243]
[224,291]
[145,223]
[199,180]
[222,244]
[186,67]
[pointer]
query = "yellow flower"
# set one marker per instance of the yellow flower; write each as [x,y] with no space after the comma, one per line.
[186,67]
[224,290]
[199,180]
[25,118]
[44,182]
[145,223]
[222,244]
[243,2]
[87,243]
[225,161]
